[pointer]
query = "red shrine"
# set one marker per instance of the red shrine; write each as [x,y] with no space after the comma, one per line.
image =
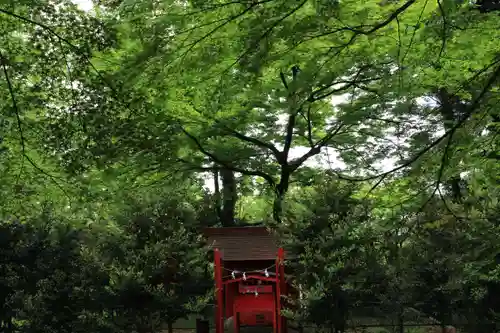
[249,277]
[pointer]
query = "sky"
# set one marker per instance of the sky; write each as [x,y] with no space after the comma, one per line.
[84,4]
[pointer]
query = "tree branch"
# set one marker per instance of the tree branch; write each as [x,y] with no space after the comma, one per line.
[218,6]
[214,30]
[315,149]
[3,60]
[309,127]
[472,107]
[288,138]
[391,17]
[74,47]
[242,136]
[324,141]
[358,29]
[347,84]
[20,129]
[256,142]
[445,28]
[292,117]
[283,80]
[227,164]
[265,34]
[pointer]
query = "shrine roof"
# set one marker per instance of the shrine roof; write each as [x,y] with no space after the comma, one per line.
[243,243]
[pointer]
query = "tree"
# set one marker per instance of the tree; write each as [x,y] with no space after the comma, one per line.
[382,69]
[115,116]
[332,248]
[159,267]
[48,284]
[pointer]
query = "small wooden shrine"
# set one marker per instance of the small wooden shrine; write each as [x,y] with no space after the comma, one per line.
[249,277]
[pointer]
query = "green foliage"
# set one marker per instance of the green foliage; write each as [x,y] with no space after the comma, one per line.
[49,282]
[333,245]
[160,272]
[112,119]
[58,278]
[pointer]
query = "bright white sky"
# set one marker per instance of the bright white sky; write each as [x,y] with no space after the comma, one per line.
[85,5]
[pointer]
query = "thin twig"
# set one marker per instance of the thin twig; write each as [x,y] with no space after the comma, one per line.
[20,129]
[265,34]
[227,164]
[3,60]
[444,32]
[414,32]
[472,107]
[74,47]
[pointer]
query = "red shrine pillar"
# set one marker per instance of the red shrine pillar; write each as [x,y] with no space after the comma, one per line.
[219,314]
[280,289]
[283,289]
[280,280]
[279,322]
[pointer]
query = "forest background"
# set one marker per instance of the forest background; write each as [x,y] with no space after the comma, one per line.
[365,134]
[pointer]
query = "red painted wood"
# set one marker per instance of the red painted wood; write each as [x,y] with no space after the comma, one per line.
[237,322]
[251,307]
[247,265]
[228,295]
[219,317]
[255,302]
[283,288]
[258,318]
[251,277]
[252,303]
[262,289]
[279,262]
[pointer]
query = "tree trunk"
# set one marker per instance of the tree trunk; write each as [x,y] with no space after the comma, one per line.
[217,195]
[451,111]
[229,197]
[401,322]
[280,192]
[170,328]
[278,208]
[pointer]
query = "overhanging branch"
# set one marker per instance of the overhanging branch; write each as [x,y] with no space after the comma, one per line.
[256,142]
[323,92]
[470,111]
[22,140]
[316,148]
[227,164]
[391,18]
[266,33]
[85,56]
[243,137]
